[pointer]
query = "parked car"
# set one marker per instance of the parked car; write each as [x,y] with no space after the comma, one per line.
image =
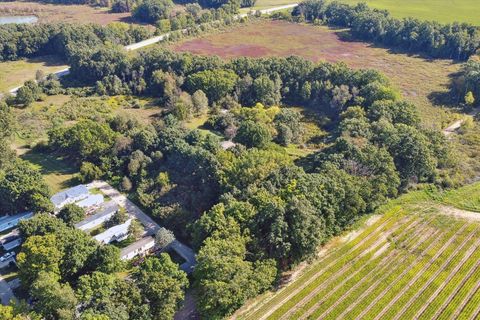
[7,256]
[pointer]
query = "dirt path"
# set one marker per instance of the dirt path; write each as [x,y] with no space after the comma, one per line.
[459,213]
[457,124]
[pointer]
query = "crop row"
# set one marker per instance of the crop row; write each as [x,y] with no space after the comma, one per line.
[396,283]
[308,276]
[419,277]
[375,257]
[338,261]
[354,303]
[445,297]
[442,283]
[419,293]
[337,303]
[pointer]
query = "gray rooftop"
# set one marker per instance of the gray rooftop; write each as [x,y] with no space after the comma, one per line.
[74,192]
[108,208]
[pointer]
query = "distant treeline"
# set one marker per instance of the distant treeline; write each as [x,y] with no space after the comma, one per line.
[19,40]
[455,41]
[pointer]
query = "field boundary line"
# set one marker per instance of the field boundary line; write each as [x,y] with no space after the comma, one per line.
[454,272]
[435,275]
[456,290]
[398,278]
[419,274]
[312,278]
[347,266]
[422,240]
[377,268]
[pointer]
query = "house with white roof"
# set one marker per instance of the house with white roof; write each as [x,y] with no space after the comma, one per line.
[115,233]
[68,196]
[107,211]
[138,248]
[9,222]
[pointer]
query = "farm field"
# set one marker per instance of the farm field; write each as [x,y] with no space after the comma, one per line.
[63,13]
[15,73]
[410,263]
[420,80]
[445,11]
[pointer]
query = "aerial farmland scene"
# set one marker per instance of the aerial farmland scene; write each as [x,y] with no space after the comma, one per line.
[239,159]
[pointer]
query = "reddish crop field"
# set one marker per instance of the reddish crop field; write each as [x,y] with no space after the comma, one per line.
[418,79]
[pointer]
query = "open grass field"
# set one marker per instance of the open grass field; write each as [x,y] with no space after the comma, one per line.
[15,73]
[57,173]
[412,262]
[420,80]
[63,13]
[445,11]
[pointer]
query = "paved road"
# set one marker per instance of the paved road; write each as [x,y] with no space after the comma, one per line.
[150,225]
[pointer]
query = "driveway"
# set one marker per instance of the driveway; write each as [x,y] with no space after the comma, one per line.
[150,225]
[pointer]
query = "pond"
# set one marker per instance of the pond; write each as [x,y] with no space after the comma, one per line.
[18,19]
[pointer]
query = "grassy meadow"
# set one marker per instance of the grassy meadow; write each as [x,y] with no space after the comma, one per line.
[445,11]
[412,262]
[15,73]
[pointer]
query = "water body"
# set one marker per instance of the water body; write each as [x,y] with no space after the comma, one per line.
[18,19]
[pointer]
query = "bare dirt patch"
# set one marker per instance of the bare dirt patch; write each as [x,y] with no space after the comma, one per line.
[63,13]
[421,81]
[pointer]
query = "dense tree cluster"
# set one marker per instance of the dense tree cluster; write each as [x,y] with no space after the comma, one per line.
[253,198]
[150,11]
[470,87]
[456,41]
[65,40]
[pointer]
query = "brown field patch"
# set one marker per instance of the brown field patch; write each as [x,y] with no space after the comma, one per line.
[420,80]
[63,13]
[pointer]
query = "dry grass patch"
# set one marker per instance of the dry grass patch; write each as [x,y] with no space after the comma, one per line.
[15,73]
[63,13]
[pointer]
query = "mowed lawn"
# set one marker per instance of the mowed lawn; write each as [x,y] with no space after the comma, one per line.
[15,73]
[411,263]
[420,80]
[445,11]
[57,172]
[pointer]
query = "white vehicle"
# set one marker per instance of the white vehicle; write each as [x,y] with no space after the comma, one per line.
[6,256]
